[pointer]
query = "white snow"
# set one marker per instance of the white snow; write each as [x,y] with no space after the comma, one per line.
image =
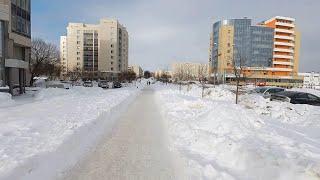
[5,99]
[37,137]
[257,139]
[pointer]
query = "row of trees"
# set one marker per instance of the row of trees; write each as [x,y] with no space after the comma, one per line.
[44,60]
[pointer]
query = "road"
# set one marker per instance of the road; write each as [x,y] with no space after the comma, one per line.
[136,149]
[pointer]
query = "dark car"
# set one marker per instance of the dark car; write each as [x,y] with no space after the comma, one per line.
[295,97]
[87,84]
[103,84]
[117,85]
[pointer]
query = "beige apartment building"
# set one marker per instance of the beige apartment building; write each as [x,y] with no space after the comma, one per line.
[136,69]
[96,50]
[189,71]
[15,44]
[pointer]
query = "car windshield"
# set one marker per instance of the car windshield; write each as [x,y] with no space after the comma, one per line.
[260,90]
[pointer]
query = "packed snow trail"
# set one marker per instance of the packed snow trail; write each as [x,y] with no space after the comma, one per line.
[136,149]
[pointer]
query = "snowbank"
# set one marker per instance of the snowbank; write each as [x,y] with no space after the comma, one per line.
[52,132]
[257,139]
[5,99]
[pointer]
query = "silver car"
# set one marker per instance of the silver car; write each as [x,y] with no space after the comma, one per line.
[266,92]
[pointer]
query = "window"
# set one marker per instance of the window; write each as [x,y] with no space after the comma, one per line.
[112,69]
[78,53]
[111,45]
[111,57]
[78,58]
[312,97]
[111,62]
[111,51]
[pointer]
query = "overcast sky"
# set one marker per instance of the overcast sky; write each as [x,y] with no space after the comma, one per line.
[166,31]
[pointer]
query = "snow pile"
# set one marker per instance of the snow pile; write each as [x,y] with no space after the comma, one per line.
[248,141]
[32,134]
[5,99]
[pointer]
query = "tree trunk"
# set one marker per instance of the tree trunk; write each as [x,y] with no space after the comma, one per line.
[31,80]
[237,91]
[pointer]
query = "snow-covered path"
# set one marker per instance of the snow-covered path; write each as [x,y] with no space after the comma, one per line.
[136,149]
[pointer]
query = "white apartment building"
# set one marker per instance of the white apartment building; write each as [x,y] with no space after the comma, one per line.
[190,71]
[136,69]
[96,50]
[311,80]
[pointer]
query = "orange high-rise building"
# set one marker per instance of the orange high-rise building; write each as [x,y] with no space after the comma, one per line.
[270,49]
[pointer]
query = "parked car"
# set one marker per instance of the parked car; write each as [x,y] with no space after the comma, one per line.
[295,97]
[57,84]
[103,84]
[77,83]
[266,92]
[117,85]
[87,84]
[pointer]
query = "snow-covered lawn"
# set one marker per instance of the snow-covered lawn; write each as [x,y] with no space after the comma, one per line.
[39,137]
[257,139]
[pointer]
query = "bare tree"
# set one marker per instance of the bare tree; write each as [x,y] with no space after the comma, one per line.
[238,73]
[179,76]
[202,75]
[43,54]
[127,76]
[75,74]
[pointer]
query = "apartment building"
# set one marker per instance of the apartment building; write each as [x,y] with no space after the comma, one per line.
[311,80]
[15,44]
[268,51]
[97,50]
[189,71]
[136,69]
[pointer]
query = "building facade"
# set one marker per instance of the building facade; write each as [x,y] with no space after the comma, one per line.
[189,71]
[15,43]
[268,51]
[311,80]
[137,70]
[97,50]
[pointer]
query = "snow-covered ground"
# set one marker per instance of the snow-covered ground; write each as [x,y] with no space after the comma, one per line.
[37,137]
[257,139]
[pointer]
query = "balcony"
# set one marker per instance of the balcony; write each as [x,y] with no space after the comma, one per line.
[283,50]
[282,56]
[285,24]
[284,37]
[16,63]
[284,44]
[283,63]
[284,31]
[282,69]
